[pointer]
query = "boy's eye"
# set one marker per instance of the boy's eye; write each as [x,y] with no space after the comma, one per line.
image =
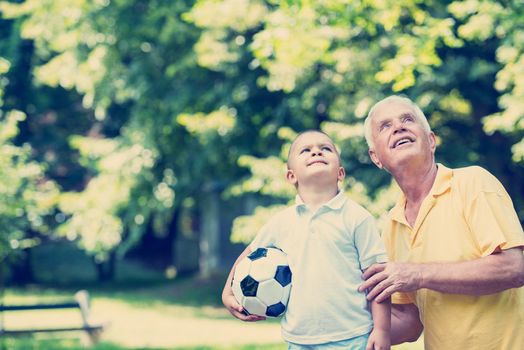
[303,150]
[327,148]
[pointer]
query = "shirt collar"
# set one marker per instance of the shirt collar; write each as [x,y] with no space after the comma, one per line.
[334,203]
[441,185]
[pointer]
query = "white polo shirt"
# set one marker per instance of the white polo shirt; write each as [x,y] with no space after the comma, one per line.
[327,251]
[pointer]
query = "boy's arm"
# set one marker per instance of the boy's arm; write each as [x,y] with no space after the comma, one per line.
[228,298]
[380,337]
[371,250]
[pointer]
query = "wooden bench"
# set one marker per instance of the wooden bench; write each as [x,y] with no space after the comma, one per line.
[81,302]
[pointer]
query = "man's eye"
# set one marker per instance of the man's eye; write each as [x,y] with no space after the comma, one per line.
[408,119]
[384,126]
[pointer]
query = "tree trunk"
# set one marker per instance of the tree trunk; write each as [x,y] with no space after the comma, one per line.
[210,234]
[106,269]
[172,234]
[157,250]
[22,269]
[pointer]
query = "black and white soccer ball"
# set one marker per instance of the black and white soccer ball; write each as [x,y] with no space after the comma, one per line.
[262,282]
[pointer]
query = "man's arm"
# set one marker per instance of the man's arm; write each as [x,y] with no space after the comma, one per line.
[405,323]
[228,298]
[491,274]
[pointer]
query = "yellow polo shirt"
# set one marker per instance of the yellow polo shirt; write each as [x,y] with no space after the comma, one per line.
[466,215]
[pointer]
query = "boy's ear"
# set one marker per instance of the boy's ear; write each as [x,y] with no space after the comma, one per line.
[290,176]
[374,158]
[341,173]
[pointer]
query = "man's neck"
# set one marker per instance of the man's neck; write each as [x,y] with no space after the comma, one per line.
[314,197]
[416,182]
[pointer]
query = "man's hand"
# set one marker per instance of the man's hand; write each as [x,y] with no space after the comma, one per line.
[230,302]
[382,280]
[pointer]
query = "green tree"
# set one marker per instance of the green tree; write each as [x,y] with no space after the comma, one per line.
[27,198]
[195,95]
[460,61]
[179,112]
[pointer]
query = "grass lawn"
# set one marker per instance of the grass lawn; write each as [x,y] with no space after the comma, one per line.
[145,311]
[184,314]
[175,314]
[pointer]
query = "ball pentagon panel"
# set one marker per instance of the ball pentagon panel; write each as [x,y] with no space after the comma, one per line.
[258,254]
[275,310]
[249,286]
[283,275]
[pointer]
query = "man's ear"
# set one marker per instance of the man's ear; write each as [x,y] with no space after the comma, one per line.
[341,174]
[290,176]
[374,158]
[432,141]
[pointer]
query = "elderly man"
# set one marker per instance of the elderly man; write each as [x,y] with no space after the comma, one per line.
[453,238]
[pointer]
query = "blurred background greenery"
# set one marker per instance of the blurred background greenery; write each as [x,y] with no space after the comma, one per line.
[142,142]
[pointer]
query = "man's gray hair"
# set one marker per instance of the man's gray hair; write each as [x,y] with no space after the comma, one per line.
[393,98]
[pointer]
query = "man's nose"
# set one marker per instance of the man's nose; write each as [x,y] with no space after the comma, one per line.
[398,126]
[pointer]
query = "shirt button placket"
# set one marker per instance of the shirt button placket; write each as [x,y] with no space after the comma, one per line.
[312,225]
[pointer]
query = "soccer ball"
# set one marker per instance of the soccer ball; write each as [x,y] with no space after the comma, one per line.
[262,282]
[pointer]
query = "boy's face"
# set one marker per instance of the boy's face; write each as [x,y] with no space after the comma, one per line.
[313,158]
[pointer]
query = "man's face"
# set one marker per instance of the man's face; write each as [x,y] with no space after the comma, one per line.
[399,136]
[313,157]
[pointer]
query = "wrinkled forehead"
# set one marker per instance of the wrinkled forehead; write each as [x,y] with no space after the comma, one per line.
[392,109]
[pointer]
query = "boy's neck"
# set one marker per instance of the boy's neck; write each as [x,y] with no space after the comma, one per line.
[315,197]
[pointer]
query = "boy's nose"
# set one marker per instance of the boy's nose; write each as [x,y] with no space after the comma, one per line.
[316,152]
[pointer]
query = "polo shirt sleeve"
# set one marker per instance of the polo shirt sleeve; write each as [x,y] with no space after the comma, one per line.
[369,244]
[492,218]
[403,298]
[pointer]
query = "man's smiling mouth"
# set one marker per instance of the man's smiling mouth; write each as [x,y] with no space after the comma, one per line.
[402,141]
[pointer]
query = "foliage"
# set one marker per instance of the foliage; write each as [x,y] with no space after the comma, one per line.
[122,67]
[460,61]
[245,226]
[192,96]
[97,225]
[26,197]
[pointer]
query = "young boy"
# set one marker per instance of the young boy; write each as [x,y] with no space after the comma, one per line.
[329,240]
